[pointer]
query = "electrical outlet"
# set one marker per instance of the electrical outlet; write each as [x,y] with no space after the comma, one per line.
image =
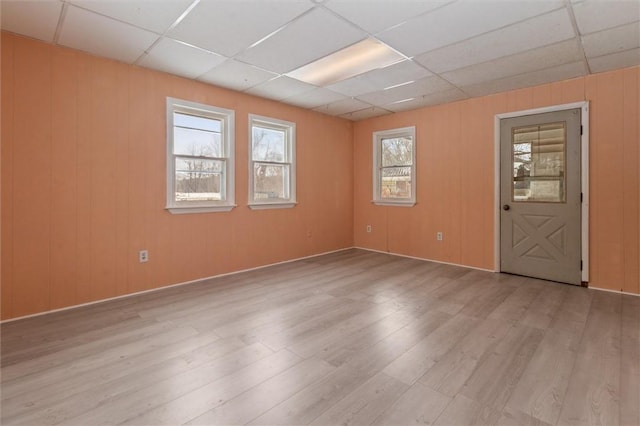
[368,228]
[439,236]
[143,256]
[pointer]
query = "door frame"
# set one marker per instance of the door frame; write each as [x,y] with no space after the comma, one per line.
[584,172]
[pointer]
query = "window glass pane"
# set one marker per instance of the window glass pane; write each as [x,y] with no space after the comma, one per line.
[397,152]
[196,122]
[196,142]
[269,144]
[199,180]
[396,182]
[270,182]
[538,156]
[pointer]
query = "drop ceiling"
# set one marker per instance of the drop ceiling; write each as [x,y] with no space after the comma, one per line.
[451,50]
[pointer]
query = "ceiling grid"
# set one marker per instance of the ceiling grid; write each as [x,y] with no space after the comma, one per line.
[449,50]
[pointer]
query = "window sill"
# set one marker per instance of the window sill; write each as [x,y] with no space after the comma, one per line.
[200,209]
[266,206]
[394,203]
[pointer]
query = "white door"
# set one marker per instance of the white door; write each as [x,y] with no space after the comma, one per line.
[540,196]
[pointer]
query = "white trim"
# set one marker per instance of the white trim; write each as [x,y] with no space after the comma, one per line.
[394,203]
[187,209]
[267,206]
[425,259]
[614,291]
[377,137]
[290,130]
[584,117]
[138,293]
[584,149]
[227,118]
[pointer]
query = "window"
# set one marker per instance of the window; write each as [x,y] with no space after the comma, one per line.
[272,163]
[394,167]
[200,160]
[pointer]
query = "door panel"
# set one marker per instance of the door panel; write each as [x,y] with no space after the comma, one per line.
[540,232]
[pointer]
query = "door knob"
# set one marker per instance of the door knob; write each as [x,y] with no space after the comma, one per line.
[506,207]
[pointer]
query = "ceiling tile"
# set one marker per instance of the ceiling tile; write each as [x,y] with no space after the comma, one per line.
[230,26]
[153,15]
[353,86]
[363,114]
[459,21]
[532,60]
[597,15]
[610,41]
[36,19]
[315,98]
[450,95]
[548,75]
[628,58]
[535,32]
[379,79]
[417,88]
[342,107]
[102,36]
[380,15]
[236,75]
[178,58]
[280,88]
[304,40]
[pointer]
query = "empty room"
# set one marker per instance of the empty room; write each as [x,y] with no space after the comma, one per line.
[327,212]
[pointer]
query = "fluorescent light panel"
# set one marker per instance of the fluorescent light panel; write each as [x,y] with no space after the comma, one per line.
[367,55]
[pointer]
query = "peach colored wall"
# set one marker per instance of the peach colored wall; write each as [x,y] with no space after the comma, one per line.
[83,183]
[455,177]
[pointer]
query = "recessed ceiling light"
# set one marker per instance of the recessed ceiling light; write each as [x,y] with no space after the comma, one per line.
[367,55]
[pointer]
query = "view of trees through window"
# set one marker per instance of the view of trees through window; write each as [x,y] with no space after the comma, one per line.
[397,159]
[199,158]
[270,163]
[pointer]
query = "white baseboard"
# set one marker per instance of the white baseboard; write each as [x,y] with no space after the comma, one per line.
[614,291]
[137,293]
[423,258]
[262,267]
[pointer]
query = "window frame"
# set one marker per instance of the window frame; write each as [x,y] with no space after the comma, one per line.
[289,128]
[378,136]
[227,119]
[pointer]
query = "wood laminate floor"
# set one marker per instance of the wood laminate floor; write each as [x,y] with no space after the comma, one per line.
[353,337]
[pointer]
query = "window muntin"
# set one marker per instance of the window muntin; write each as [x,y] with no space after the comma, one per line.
[271,163]
[199,157]
[394,166]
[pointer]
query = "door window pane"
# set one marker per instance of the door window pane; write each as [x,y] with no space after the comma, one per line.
[538,160]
